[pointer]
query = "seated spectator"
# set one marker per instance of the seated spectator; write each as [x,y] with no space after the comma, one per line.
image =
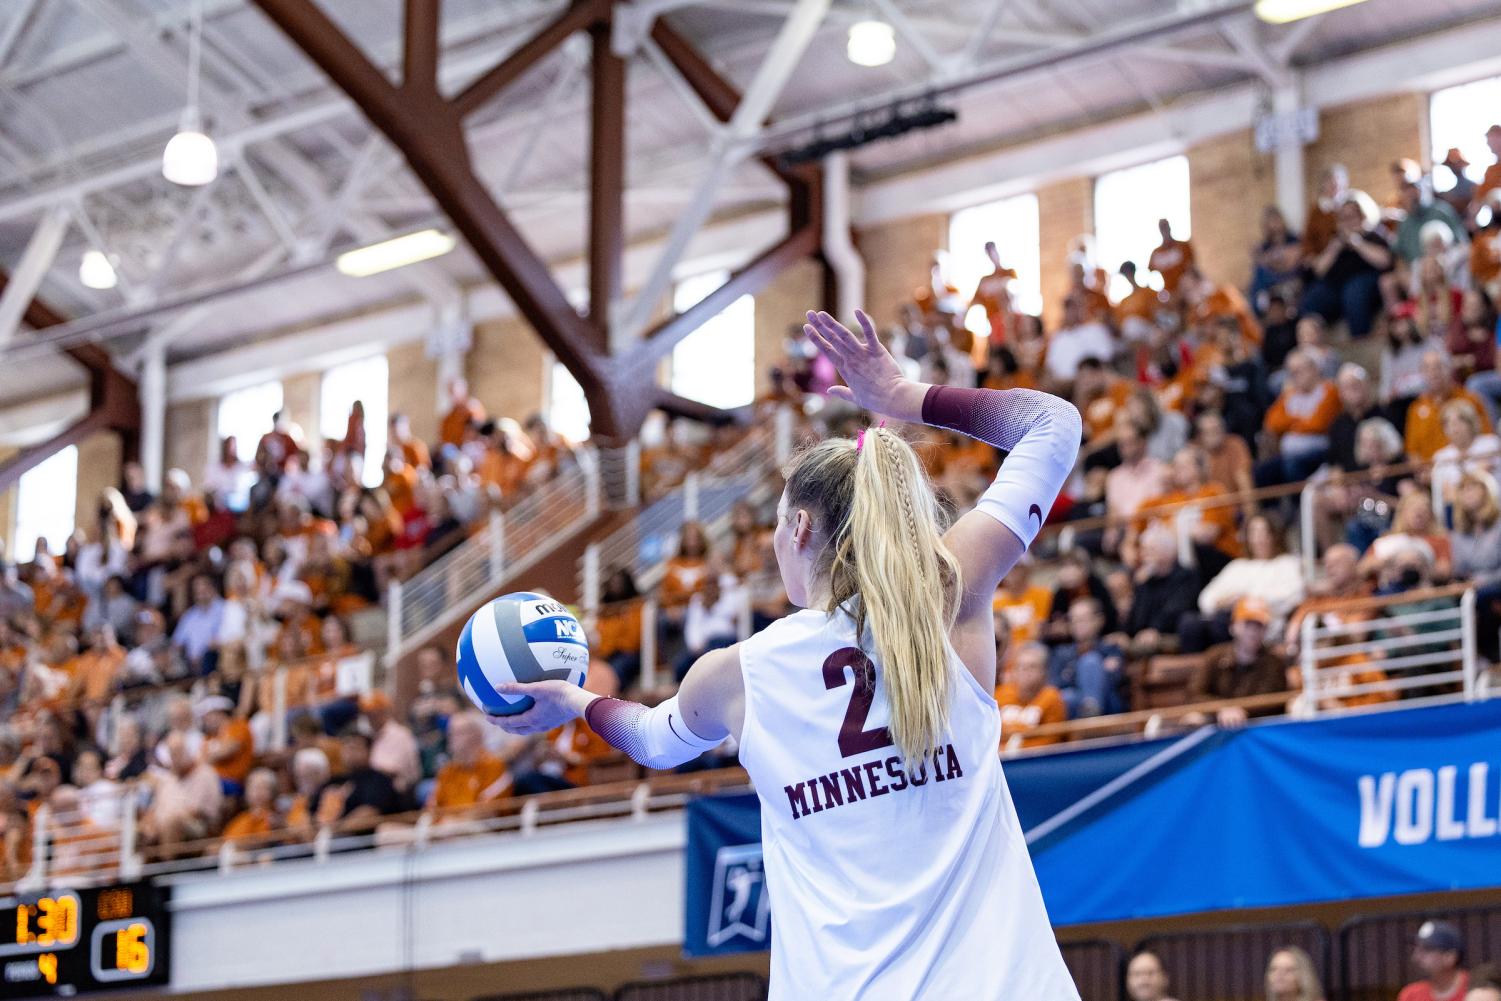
[1299,422]
[1076,581]
[227,743]
[1357,399]
[619,626]
[1171,258]
[1347,271]
[180,721]
[1021,607]
[1228,455]
[1422,210]
[393,749]
[1087,671]
[1078,337]
[1136,314]
[1211,525]
[1146,978]
[414,452]
[1165,592]
[1026,699]
[358,797]
[1356,506]
[186,798]
[197,630]
[129,759]
[1166,428]
[1267,572]
[686,573]
[1276,260]
[1413,530]
[310,772]
[1291,976]
[259,818]
[712,621]
[1339,583]
[1438,954]
[1474,350]
[1425,431]
[1477,553]
[473,776]
[1099,394]
[1243,667]
[1136,479]
[99,798]
[464,411]
[1468,449]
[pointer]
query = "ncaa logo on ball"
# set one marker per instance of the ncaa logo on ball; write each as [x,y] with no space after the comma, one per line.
[522,637]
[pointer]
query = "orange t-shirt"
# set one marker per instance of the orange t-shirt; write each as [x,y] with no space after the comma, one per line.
[401,486]
[1485,258]
[1221,516]
[414,453]
[96,673]
[1490,181]
[619,629]
[1099,413]
[683,578]
[1228,301]
[463,786]
[1283,420]
[1355,669]
[1024,613]
[457,420]
[1318,229]
[250,824]
[1019,717]
[1425,425]
[1170,260]
[1142,304]
[583,745]
[236,767]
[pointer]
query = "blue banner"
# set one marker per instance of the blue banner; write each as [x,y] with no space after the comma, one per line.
[1279,813]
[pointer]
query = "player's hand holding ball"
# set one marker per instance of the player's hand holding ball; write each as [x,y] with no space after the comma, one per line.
[522,660]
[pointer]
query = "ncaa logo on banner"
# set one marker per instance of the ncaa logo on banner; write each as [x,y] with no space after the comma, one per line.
[740,907]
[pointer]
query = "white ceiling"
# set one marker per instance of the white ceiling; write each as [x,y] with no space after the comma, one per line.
[91,89]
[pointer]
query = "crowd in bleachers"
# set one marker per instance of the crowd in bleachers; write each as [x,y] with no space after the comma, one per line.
[1362,355]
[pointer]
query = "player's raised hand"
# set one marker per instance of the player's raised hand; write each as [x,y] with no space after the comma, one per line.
[873,380]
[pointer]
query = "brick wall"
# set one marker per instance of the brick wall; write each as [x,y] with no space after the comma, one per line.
[299,401]
[506,369]
[414,388]
[190,437]
[1366,137]
[98,468]
[1229,184]
[897,258]
[1065,209]
[780,307]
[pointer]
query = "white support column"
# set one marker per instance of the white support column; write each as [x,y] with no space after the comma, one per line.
[41,250]
[1288,160]
[153,390]
[838,245]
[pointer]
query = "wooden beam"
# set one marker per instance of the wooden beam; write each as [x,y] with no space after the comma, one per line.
[606,178]
[419,63]
[12,469]
[579,15]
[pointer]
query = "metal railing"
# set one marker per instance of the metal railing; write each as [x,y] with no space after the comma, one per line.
[444,591]
[1418,640]
[644,544]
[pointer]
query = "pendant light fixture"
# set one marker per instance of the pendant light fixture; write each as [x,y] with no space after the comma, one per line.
[191,159]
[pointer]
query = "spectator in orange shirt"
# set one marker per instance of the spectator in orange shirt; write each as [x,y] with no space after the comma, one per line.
[227,743]
[1321,222]
[1136,314]
[1425,423]
[993,294]
[259,818]
[1021,607]
[1228,455]
[1211,526]
[1171,258]
[413,449]
[1026,699]
[473,776]
[686,573]
[1300,420]
[464,410]
[1491,182]
[1099,394]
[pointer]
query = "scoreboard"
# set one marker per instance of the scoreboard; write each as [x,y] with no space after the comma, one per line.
[63,942]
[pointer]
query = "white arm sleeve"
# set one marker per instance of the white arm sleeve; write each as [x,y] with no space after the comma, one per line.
[657,738]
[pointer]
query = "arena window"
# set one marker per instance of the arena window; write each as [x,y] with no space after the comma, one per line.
[567,410]
[1457,119]
[367,381]
[1127,205]
[1013,224]
[716,364]
[45,499]
[246,414]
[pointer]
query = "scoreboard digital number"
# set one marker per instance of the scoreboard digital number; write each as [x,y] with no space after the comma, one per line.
[65,942]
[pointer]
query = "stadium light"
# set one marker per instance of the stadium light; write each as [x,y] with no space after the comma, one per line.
[191,159]
[95,270]
[1285,11]
[871,43]
[397,252]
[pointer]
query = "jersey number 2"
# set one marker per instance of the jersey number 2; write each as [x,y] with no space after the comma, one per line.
[853,737]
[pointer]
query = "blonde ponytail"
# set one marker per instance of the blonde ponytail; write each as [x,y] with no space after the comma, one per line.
[887,565]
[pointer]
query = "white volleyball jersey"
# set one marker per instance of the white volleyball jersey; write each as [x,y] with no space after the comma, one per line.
[884,885]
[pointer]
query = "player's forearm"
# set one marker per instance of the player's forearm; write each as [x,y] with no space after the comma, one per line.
[656,738]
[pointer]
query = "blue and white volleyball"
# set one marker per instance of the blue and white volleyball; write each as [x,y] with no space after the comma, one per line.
[521,637]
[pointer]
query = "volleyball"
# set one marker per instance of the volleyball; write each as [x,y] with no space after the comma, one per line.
[521,637]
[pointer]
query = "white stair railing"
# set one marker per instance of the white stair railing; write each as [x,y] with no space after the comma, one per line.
[443,592]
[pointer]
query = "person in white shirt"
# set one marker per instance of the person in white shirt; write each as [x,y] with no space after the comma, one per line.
[1267,572]
[1468,451]
[1078,338]
[712,620]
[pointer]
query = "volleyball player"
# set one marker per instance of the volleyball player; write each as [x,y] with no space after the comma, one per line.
[895,863]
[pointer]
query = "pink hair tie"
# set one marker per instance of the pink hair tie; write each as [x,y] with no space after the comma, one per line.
[860,436]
